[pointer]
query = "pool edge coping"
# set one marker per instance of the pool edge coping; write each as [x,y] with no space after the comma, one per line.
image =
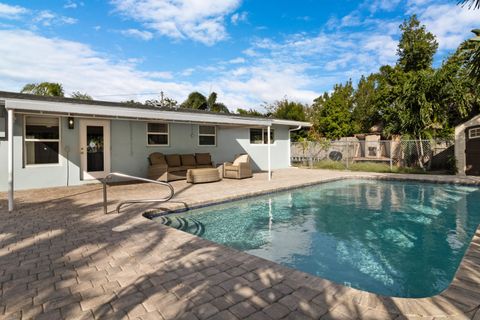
[457,295]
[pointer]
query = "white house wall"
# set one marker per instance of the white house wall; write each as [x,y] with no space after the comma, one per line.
[129,151]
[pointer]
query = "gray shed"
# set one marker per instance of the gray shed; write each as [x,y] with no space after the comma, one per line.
[467,147]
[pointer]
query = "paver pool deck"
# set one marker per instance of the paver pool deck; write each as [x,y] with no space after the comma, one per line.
[61,257]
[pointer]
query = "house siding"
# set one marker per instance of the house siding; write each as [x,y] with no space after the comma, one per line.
[460,143]
[129,151]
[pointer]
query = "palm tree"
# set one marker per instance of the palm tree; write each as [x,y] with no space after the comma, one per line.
[474,59]
[198,101]
[81,96]
[195,100]
[472,4]
[44,89]
[215,106]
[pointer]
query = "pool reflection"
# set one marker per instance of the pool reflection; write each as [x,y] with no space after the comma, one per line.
[393,238]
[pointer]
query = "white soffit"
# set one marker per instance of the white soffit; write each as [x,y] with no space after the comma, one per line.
[125,112]
[140,114]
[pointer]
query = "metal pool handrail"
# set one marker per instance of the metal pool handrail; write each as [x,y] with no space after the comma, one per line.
[122,175]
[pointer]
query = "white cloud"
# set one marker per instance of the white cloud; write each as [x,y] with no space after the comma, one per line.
[187,72]
[450,23]
[238,60]
[48,18]
[383,5]
[42,17]
[199,20]
[70,4]
[139,34]
[264,81]
[11,12]
[239,17]
[29,57]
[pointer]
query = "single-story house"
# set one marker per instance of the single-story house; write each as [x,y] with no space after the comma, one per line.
[467,147]
[53,141]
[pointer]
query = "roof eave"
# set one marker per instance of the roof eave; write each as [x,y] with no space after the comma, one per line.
[124,112]
[292,123]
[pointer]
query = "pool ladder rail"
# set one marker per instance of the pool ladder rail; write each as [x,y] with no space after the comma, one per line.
[122,175]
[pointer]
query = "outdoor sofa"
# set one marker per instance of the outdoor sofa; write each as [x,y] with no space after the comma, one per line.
[170,167]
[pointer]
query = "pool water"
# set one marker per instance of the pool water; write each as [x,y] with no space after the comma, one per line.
[393,238]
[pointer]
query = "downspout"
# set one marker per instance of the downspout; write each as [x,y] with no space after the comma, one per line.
[269,154]
[10,159]
[290,144]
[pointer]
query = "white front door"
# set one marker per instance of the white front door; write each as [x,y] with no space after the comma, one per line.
[94,148]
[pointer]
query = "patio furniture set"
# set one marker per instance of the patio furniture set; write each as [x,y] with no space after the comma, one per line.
[196,168]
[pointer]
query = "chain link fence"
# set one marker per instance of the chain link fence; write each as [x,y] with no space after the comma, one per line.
[423,154]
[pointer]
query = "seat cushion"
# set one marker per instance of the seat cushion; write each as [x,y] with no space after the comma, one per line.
[157,158]
[188,160]
[203,166]
[241,159]
[177,169]
[231,168]
[203,158]
[173,160]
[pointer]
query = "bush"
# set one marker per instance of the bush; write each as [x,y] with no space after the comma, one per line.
[371,167]
[329,164]
[365,167]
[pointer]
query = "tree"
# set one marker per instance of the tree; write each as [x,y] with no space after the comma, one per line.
[198,101]
[132,102]
[44,89]
[472,4]
[331,113]
[215,106]
[80,96]
[164,102]
[288,110]
[417,46]
[195,100]
[249,112]
[471,56]
[365,112]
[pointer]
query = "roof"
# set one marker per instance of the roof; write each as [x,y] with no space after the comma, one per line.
[22,102]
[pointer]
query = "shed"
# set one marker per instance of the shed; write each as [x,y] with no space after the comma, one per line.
[467,147]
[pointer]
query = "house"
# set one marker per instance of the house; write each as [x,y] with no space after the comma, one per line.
[53,141]
[467,147]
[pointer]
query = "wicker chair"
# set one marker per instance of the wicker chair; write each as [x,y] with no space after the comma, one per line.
[239,169]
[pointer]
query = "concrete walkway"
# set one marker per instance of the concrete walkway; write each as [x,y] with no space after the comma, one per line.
[62,258]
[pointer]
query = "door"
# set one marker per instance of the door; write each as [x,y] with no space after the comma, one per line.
[472,151]
[94,148]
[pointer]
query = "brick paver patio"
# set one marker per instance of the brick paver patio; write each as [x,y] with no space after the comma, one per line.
[62,258]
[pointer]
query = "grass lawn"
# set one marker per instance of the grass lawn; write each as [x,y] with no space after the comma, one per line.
[368,167]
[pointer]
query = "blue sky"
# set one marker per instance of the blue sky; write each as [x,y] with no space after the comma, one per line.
[249,52]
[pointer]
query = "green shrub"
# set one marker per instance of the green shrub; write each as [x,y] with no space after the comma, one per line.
[329,164]
[365,167]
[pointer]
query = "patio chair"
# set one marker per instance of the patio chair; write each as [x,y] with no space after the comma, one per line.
[239,169]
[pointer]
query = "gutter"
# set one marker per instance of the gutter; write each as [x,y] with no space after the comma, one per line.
[290,142]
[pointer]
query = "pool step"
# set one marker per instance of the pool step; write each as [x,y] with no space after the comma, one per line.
[189,225]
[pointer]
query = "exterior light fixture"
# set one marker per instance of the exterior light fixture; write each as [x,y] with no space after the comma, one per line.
[71,123]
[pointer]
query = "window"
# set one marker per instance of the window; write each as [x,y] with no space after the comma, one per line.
[207,135]
[260,136]
[474,133]
[3,123]
[42,140]
[157,134]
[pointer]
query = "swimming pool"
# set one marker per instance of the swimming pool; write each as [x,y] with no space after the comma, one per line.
[393,238]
